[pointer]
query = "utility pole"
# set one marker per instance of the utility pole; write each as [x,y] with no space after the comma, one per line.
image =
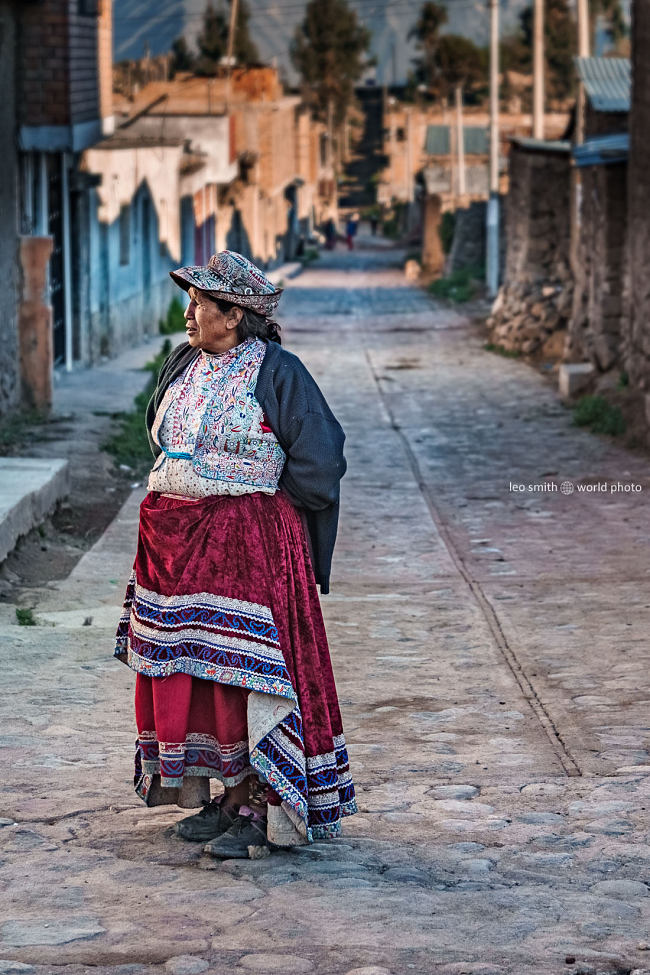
[234,4]
[583,29]
[538,70]
[460,142]
[409,157]
[575,246]
[492,248]
[583,52]
[330,131]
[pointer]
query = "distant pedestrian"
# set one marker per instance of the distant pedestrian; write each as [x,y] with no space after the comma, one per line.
[373,225]
[351,231]
[330,234]
[222,621]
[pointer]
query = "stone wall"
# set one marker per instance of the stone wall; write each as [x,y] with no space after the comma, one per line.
[9,363]
[468,246]
[531,311]
[595,328]
[636,327]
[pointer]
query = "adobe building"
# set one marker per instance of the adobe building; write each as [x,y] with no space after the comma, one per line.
[56,69]
[636,324]
[595,326]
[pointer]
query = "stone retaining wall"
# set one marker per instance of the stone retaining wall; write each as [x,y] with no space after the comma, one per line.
[594,332]
[636,326]
[533,306]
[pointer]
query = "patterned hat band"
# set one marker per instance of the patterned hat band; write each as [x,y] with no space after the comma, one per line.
[234,278]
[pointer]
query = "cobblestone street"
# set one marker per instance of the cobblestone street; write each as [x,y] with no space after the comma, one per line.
[491,652]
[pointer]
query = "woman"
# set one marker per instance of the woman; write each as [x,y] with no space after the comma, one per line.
[221,620]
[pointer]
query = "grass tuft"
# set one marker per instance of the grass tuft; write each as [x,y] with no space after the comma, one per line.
[599,415]
[15,427]
[501,350]
[25,617]
[309,255]
[129,444]
[459,286]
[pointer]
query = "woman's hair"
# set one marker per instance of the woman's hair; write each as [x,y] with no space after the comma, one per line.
[251,324]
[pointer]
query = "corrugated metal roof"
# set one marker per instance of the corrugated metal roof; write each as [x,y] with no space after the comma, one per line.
[131,140]
[438,140]
[475,140]
[607,82]
[541,145]
[602,149]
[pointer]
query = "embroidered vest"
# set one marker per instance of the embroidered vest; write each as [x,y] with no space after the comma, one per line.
[216,420]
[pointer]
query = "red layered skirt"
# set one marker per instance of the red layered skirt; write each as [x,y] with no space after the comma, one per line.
[222,623]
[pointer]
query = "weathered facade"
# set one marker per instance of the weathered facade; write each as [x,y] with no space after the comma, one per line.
[636,326]
[9,361]
[134,236]
[595,327]
[64,96]
[56,84]
[533,306]
[417,138]
[600,213]
[270,188]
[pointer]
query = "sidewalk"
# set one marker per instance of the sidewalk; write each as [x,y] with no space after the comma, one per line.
[491,656]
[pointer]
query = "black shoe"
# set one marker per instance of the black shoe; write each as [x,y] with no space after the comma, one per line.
[248,830]
[213,820]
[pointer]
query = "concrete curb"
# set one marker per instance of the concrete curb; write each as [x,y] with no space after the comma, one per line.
[30,489]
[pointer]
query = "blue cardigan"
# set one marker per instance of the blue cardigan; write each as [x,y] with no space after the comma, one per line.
[307,431]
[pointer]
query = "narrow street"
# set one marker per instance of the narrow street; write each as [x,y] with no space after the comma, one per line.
[491,653]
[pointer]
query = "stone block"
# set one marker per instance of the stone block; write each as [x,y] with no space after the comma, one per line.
[30,487]
[606,350]
[553,347]
[574,376]
[611,305]
[646,401]
[412,270]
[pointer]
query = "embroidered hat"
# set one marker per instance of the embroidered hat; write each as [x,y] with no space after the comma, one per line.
[234,278]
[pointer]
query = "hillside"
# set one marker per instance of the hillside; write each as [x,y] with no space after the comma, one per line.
[157,22]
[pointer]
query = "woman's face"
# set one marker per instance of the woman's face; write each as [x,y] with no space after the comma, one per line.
[207,326]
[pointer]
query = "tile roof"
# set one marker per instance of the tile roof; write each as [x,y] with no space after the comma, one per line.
[607,82]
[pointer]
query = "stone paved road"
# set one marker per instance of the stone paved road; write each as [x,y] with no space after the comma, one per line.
[492,659]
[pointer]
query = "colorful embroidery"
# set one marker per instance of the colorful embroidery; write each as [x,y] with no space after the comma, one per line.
[233,642]
[232,276]
[210,416]
[198,755]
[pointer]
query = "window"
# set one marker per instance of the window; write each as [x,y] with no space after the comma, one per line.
[125,234]
[88,8]
[400,135]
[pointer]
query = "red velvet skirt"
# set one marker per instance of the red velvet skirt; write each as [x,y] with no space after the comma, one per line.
[223,626]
